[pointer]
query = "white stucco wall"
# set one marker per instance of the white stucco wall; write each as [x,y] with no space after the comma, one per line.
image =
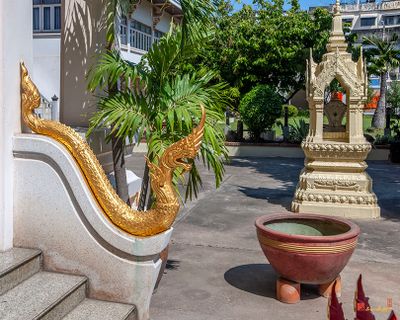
[77,55]
[46,68]
[143,13]
[15,45]
[165,23]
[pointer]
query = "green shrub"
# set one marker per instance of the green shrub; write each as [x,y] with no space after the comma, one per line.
[304,113]
[382,140]
[298,131]
[292,110]
[259,109]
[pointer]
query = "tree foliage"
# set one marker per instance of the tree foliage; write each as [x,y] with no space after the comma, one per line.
[393,95]
[159,103]
[264,44]
[259,109]
[382,56]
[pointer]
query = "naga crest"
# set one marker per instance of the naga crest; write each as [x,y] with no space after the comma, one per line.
[137,223]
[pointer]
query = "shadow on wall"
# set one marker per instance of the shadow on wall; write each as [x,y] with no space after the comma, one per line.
[83,37]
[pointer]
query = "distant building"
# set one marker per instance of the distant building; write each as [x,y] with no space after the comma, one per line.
[67,37]
[371,18]
[54,20]
[380,19]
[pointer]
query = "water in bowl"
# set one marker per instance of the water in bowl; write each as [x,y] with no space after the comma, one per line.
[308,227]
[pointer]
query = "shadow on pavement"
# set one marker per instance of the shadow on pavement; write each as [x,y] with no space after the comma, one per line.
[258,279]
[172,264]
[285,172]
[280,196]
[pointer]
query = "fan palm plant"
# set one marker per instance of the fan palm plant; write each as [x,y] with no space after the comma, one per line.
[382,56]
[159,103]
[194,12]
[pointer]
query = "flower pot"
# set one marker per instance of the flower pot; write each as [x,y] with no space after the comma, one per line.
[303,248]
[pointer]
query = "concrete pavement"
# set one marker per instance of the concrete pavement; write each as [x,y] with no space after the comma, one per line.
[217,271]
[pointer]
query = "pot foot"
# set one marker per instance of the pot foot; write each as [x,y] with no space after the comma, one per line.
[287,291]
[325,290]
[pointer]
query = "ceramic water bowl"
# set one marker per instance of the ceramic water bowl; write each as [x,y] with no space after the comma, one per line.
[305,248]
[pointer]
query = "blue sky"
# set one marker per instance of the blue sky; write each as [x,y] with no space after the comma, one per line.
[304,3]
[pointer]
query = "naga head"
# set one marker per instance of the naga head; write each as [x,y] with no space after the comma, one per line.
[178,154]
[30,96]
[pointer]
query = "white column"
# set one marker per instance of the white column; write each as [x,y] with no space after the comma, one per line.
[15,45]
[319,122]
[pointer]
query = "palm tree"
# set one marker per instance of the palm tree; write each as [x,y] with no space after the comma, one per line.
[194,12]
[156,101]
[382,56]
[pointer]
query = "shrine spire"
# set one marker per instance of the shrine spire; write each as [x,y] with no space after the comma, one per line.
[337,41]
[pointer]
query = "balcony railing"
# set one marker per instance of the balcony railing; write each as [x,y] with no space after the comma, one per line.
[136,36]
[139,40]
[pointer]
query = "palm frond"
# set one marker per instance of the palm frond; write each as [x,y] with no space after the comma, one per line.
[156,99]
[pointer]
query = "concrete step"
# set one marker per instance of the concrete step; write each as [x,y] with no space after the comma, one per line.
[45,295]
[17,265]
[101,310]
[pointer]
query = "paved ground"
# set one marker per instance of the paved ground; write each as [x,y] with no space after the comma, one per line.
[216,270]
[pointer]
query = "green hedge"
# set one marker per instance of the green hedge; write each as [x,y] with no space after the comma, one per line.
[292,110]
[259,109]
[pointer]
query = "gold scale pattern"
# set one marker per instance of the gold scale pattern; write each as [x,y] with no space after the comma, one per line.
[137,223]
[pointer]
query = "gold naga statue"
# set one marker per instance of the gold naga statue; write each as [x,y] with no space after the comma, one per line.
[138,223]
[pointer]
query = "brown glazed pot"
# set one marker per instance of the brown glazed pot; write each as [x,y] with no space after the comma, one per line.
[307,248]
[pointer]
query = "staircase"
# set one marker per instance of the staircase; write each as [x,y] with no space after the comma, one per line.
[27,292]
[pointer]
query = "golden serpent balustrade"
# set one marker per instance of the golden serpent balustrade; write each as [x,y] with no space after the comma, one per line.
[138,223]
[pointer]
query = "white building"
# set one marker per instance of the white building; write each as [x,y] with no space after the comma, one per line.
[374,19]
[68,35]
[370,18]
[146,23]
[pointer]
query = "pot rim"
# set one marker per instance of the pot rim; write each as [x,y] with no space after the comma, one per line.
[350,234]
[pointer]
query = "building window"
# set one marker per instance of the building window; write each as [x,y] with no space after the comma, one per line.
[368,22]
[57,18]
[123,31]
[374,82]
[36,19]
[137,35]
[348,22]
[390,20]
[46,16]
[158,35]
[140,35]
